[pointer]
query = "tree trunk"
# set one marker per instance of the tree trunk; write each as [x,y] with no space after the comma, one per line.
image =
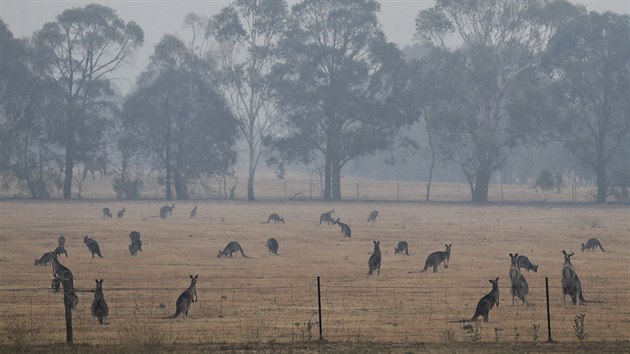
[482,182]
[69,166]
[250,177]
[426,119]
[602,185]
[336,177]
[328,173]
[167,153]
[180,188]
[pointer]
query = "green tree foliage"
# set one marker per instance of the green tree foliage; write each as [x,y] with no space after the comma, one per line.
[247,33]
[591,74]
[77,53]
[337,85]
[498,99]
[178,118]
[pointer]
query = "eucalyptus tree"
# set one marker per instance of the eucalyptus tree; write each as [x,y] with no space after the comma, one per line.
[591,76]
[247,34]
[179,118]
[78,52]
[500,87]
[337,86]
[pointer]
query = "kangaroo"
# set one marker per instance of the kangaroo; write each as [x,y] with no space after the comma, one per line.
[230,248]
[520,289]
[136,243]
[523,262]
[402,248]
[487,302]
[438,257]
[345,228]
[187,298]
[571,284]
[372,217]
[272,245]
[107,214]
[62,246]
[45,259]
[592,244]
[193,213]
[121,213]
[62,273]
[62,240]
[92,245]
[100,310]
[374,263]
[327,217]
[166,211]
[55,284]
[275,218]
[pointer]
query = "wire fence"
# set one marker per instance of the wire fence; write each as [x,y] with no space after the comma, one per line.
[286,310]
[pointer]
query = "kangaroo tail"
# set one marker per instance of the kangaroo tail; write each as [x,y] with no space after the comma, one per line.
[171,317]
[582,299]
[244,255]
[602,248]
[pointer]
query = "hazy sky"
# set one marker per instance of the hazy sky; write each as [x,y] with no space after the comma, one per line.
[160,17]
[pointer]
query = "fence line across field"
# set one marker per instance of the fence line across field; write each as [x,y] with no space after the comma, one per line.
[330,310]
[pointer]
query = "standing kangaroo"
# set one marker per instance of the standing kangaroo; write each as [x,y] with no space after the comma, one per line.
[345,228]
[62,246]
[107,214]
[327,217]
[524,262]
[272,245]
[121,213]
[100,310]
[187,298]
[166,211]
[136,243]
[374,263]
[193,212]
[275,218]
[372,217]
[571,284]
[64,275]
[592,244]
[230,248]
[487,302]
[402,248]
[435,258]
[520,289]
[92,245]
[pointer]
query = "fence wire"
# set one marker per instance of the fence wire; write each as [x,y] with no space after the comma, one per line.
[285,310]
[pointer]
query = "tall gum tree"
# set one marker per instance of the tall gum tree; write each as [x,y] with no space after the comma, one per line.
[591,76]
[503,42]
[337,86]
[78,52]
[247,33]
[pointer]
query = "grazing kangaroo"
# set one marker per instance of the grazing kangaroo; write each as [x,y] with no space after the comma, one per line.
[327,217]
[373,216]
[592,244]
[272,245]
[100,310]
[374,263]
[438,257]
[166,211]
[187,298]
[45,259]
[275,218]
[487,302]
[55,284]
[402,248]
[121,213]
[107,214]
[520,289]
[136,243]
[193,213]
[92,245]
[571,283]
[523,262]
[230,248]
[345,228]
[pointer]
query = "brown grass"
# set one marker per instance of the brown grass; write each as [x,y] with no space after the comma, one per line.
[268,300]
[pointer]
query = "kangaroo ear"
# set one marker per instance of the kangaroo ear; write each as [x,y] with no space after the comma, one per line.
[190,276]
[96,280]
[497,279]
[564,252]
[101,281]
[196,276]
[511,256]
[515,254]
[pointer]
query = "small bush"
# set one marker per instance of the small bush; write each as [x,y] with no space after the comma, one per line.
[129,190]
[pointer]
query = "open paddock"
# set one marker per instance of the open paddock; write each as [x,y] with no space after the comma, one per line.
[273,299]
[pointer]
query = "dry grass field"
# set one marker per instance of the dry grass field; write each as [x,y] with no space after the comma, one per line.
[270,300]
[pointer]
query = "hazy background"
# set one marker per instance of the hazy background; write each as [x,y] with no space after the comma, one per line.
[161,17]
